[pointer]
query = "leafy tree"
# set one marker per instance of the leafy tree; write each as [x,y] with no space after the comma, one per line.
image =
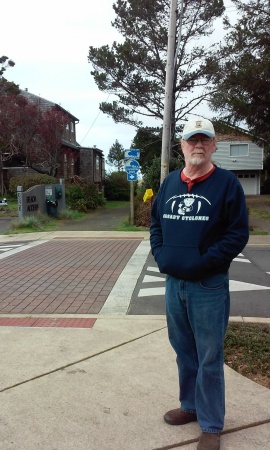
[116,186]
[151,179]
[116,156]
[134,70]
[242,70]
[4,63]
[12,108]
[149,140]
[46,157]
[31,133]
[7,86]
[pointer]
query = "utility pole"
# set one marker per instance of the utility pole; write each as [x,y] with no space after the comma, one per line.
[169,84]
[166,135]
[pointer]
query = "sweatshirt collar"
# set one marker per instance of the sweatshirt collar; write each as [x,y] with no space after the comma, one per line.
[190,183]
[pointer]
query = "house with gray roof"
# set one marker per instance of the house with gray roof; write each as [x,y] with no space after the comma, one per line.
[85,162]
[237,152]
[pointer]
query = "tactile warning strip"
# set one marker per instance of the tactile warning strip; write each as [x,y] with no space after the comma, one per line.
[46,322]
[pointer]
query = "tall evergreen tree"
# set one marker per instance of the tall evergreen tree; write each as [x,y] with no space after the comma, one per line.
[4,63]
[7,86]
[134,70]
[116,156]
[242,69]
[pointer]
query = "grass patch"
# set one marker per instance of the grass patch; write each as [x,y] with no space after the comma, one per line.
[260,213]
[28,224]
[247,350]
[112,204]
[258,233]
[11,210]
[125,226]
[69,214]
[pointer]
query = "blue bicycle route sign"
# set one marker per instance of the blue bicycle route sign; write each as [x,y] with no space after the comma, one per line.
[132,153]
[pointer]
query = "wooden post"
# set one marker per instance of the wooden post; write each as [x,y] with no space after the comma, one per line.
[131,202]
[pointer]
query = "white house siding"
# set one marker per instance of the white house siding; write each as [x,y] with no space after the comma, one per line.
[254,160]
[247,168]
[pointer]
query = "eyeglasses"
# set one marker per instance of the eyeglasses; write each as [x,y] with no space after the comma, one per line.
[204,141]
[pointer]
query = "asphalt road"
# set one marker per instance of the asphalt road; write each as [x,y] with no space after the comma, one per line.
[249,286]
[101,220]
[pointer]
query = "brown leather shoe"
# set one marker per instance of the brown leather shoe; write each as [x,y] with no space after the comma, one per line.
[179,417]
[209,441]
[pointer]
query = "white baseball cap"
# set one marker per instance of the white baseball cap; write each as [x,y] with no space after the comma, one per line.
[196,126]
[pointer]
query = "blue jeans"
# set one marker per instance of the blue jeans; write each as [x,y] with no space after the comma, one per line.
[197,317]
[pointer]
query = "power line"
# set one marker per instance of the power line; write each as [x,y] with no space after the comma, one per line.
[93,123]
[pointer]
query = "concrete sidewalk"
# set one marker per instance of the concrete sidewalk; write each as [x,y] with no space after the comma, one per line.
[107,388]
[260,240]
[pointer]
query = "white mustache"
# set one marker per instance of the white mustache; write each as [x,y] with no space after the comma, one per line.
[198,152]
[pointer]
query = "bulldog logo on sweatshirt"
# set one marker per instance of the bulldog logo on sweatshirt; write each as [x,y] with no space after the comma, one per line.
[187,207]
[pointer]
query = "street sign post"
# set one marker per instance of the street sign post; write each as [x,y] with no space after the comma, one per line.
[132,167]
[132,176]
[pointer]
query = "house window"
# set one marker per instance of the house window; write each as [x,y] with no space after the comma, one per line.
[67,126]
[72,127]
[239,150]
[97,162]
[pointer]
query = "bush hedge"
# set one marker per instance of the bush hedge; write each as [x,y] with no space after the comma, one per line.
[28,181]
[83,195]
[117,187]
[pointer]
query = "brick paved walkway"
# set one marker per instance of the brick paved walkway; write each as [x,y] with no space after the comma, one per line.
[63,276]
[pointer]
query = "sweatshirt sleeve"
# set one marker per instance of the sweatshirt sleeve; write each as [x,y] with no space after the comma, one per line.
[156,239]
[236,231]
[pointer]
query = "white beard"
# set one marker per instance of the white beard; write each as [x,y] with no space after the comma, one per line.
[196,160]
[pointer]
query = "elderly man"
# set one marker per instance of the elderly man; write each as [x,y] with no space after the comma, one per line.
[199,224]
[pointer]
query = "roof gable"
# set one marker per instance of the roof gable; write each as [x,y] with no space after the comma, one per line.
[44,104]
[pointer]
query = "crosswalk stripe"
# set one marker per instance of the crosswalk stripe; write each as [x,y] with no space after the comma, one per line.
[242,260]
[151,279]
[235,286]
[10,245]
[241,286]
[149,292]
[153,269]
[20,248]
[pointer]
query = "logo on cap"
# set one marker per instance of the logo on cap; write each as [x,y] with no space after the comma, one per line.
[198,124]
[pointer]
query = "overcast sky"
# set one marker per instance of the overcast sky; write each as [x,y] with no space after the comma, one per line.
[49,42]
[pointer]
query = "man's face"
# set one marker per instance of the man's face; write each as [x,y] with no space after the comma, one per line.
[198,149]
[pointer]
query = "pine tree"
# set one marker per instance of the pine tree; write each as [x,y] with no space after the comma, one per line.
[134,70]
[243,70]
[116,156]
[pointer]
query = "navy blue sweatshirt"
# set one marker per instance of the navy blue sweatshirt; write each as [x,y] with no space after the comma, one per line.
[197,234]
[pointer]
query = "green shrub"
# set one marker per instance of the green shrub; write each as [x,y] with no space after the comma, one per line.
[151,178]
[35,222]
[117,187]
[28,181]
[83,195]
[142,212]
